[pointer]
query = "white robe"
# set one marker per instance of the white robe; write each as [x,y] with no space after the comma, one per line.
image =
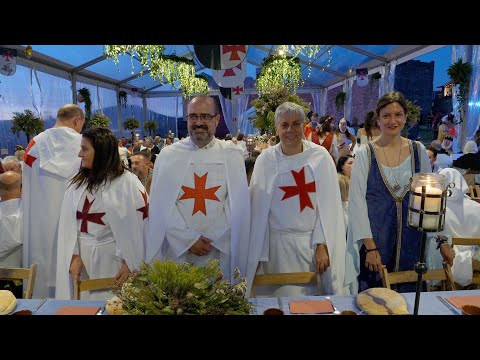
[169,236]
[123,201]
[462,219]
[10,233]
[44,184]
[287,241]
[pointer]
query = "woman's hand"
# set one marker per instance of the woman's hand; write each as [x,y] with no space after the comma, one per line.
[122,274]
[373,262]
[76,267]
[321,258]
[448,253]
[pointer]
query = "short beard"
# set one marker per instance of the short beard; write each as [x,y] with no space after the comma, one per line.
[200,138]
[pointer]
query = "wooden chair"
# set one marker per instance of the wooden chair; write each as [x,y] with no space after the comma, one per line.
[474,192]
[21,274]
[445,275]
[92,284]
[284,279]
[469,242]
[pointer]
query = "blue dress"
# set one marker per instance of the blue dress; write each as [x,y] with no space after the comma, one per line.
[398,244]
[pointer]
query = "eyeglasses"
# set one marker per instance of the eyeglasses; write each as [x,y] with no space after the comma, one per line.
[203,117]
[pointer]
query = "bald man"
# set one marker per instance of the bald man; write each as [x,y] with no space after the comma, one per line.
[10,226]
[50,160]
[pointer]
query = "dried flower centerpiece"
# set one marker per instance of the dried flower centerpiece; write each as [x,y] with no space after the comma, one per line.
[168,288]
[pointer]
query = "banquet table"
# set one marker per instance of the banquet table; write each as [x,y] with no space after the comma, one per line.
[429,303]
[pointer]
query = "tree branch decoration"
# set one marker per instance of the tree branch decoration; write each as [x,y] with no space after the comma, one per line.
[278,72]
[340,100]
[265,107]
[459,73]
[100,120]
[84,96]
[26,122]
[144,52]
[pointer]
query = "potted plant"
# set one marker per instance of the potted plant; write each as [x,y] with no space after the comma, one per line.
[122,95]
[340,100]
[26,122]
[150,126]
[100,120]
[459,73]
[131,124]
[84,96]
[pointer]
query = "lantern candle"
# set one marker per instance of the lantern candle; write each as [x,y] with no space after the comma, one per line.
[430,222]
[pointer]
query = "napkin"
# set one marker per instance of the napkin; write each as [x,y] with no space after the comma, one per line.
[310,307]
[77,310]
[459,301]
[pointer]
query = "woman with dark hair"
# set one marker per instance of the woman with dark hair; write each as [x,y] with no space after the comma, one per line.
[378,200]
[325,136]
[102,218]
[344,169]
[370,130]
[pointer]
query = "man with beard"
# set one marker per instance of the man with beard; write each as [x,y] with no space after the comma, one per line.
[200,206]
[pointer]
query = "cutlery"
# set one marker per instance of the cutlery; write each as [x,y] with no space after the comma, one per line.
[100,312]
[335,310]
[447,304]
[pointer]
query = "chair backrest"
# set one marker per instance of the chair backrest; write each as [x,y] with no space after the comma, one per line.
[474,192]
[284,279]
[21,274]
[469,242]
[445,275]
[92,284]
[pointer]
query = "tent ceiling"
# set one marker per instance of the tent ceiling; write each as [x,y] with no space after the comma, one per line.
[89,62]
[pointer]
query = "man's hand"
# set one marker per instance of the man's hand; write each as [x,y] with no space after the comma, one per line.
[76,267]
[122,274]
[321,258]
[448,253]
[202,246]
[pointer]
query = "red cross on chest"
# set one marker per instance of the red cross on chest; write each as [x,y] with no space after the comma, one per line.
[301,189]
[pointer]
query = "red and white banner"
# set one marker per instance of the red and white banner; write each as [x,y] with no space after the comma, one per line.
[218,57]
[230,78]
[232,93]
[8,61]
[362,77]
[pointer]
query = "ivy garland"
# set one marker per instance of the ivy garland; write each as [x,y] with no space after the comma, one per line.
[278,72]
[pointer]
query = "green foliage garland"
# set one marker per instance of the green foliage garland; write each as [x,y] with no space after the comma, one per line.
[26,122]
[168,288]
[340,100]
[131,124]
[278,72]
[460,73]
[85,94]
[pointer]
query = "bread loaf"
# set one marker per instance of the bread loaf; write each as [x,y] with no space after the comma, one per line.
[114,306]
[381,301]
[8,301]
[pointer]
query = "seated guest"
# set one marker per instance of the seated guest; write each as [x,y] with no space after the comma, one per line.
[443,159]
[432,153]
[461,220]
[10,225]
[470,158]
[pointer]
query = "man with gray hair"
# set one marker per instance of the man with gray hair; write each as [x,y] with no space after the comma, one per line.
[11,163]
[50,160]
[297,217]
[199,205]
[10,226]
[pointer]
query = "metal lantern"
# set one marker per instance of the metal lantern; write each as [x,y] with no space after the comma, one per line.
[428,200]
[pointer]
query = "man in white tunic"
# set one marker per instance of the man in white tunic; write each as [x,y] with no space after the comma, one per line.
[49,162]
[10,225]
[462,219]
[297,218]
[200,207]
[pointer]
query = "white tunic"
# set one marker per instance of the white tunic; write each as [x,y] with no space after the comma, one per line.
[10,230]
[50,162]
[284,233]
